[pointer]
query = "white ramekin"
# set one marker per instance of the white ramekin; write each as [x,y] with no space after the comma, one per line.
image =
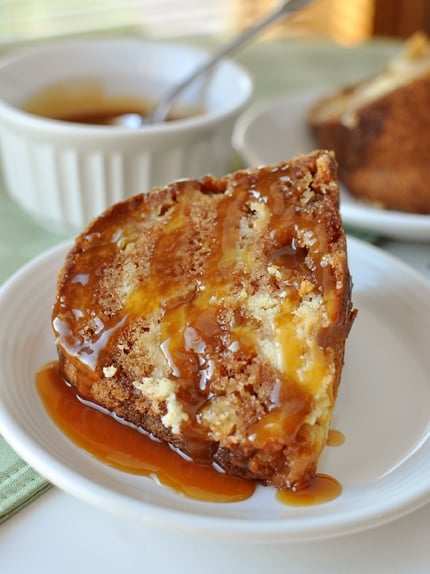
[64,173]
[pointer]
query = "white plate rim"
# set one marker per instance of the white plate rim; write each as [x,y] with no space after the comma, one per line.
[284,531]
[355,213]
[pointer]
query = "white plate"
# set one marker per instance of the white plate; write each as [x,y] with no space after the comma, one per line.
[275,130]
[383,409]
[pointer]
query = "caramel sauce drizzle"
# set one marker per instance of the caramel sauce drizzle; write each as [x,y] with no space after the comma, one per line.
[123,447]
[191,326]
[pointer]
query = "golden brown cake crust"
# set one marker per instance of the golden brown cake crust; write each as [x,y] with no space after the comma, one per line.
[213,314]
[382,146]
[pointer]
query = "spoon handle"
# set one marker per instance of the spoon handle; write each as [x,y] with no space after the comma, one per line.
[162,108]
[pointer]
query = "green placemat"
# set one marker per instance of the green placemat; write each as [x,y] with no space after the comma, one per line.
[19,483]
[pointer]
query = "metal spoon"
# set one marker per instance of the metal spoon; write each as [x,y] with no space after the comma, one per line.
[162,108]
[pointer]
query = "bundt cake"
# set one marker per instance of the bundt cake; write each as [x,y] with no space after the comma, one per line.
[212,314]
[380,131]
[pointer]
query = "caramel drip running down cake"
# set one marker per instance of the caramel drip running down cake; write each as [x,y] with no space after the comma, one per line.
[212,314]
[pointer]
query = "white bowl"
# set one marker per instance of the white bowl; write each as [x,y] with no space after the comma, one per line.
[66,173]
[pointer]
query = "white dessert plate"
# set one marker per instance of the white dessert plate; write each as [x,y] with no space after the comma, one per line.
[383,410]
[275,130]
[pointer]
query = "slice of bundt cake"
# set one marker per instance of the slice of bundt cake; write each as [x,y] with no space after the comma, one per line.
[213,314]
[379,129]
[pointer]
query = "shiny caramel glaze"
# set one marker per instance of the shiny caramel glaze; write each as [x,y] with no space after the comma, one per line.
[214,314]
[123,447]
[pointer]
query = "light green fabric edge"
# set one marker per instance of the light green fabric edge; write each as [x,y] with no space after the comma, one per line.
[19,483]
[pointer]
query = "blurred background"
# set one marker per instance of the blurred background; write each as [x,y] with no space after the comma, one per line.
[347,22]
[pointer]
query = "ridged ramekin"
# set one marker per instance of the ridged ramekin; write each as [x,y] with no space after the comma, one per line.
[65,173]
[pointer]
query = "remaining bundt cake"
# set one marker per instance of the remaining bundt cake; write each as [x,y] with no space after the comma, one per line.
[213,314]
[380,131]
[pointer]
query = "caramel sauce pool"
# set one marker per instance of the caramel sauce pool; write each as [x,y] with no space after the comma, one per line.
[125,448]
[322,488]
